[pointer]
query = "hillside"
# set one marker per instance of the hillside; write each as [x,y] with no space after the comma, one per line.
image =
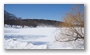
[11,19]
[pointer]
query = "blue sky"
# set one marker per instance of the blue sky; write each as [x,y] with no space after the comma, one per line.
[39,11]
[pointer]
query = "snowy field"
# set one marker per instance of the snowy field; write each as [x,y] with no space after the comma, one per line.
[36,38]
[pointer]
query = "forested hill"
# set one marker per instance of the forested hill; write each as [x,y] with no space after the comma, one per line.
[11,19]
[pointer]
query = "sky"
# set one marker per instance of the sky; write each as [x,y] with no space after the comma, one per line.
[39,11]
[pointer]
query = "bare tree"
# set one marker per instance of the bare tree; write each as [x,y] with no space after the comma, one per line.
[73,26]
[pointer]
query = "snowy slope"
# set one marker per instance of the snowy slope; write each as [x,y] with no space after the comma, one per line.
[36,38]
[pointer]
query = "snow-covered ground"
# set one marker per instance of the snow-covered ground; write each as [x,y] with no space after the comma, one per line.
[36,38]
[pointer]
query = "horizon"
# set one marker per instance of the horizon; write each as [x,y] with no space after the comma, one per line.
[39,11]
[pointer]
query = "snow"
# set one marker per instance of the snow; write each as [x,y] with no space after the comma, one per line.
[79,44]
[16,44]
[36,38]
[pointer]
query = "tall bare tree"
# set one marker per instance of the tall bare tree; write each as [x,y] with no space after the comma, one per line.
[73,26]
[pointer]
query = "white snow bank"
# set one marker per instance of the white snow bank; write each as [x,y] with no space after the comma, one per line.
[78,44]
[39,37]
[16,44]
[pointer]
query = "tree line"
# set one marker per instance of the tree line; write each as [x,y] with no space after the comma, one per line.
[11,19]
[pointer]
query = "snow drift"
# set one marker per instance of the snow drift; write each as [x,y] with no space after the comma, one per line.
[37,38]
